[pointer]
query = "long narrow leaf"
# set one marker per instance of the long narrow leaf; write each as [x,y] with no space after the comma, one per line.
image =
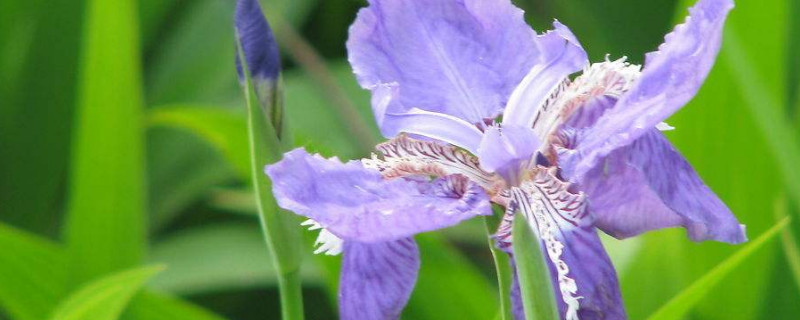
[534,277]
[105,298]
[32,277]
[105,223]
[149,305]
[682,303]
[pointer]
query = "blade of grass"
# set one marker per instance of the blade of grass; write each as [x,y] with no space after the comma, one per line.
[105,298]
[678,306]
[105,215]
[788,242]
[534,277]
[32,279]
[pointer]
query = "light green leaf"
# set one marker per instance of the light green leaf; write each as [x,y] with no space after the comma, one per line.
[723,140]
[225,129]
[149,305]
[217,258]
[678,307]
[105,222]
[104,298]
[534,277]
[32,276]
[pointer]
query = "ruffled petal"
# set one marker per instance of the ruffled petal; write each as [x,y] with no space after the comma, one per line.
[561,56]
[434,125]
[356,203]
[377,279]
[584,279]
[404,157]
[670,78]
[457,57]
[648,185]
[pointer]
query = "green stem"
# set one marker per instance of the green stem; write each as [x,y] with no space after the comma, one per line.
[502,267]
[290,285]
[279,227]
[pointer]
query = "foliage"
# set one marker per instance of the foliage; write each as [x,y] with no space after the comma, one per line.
[123,134]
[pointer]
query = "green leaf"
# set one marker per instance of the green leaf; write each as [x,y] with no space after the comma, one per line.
[39,58]
[149,305]
[679,306]
[217,258]
[32,276]
[225,129]
[723,140]
[534,276]
[105,222]
[104,298]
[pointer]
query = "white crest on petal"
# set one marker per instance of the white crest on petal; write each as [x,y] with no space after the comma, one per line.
[404,156]
[551,209]
[607,78]
[663,126]
[327,242]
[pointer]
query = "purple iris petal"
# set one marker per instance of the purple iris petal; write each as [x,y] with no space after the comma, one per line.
[597,286]
[583,277]
[439,126]
[457,57]
[505,149]
[257,42]
[649,185]
[561,56]
[670,78]
[377,279]
[356,203]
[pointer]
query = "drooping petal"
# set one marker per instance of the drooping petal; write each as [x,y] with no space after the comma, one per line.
[561,56]
[457,57]
[258,44]
[505,148]
[356,203]
[648,185]
[583,276]
[670,78]
[439,126]
[404,156]
[377,279]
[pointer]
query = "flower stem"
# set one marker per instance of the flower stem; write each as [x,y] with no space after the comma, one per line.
[502,267]
[290,285]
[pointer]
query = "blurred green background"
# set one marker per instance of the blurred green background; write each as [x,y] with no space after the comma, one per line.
[123,143]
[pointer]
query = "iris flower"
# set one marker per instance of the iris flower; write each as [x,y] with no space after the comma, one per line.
[481,109]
